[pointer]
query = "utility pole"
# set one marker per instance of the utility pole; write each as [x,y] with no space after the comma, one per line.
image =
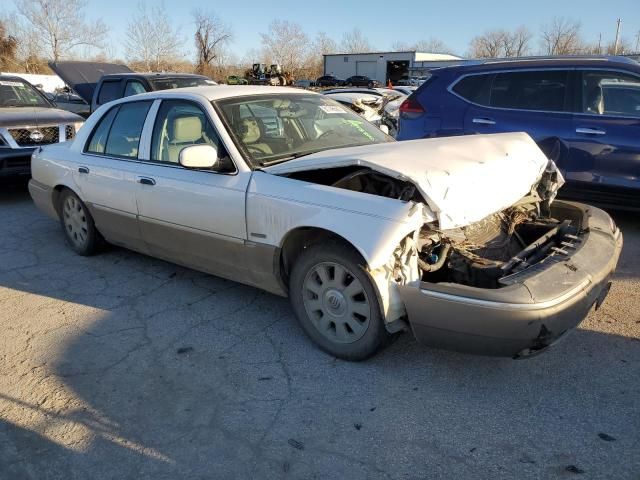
[615,47]
[600,44]
[638,42]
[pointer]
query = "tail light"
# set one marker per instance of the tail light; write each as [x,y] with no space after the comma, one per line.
[411,108]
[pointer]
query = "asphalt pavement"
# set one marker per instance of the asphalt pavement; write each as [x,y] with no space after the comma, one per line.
[121,366]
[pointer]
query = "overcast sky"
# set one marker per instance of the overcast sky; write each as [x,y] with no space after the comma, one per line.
[384,22]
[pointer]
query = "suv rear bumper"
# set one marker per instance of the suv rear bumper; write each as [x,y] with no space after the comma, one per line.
[526,317]
[15,162]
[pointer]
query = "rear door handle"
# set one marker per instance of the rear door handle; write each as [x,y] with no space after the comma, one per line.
[146,181]
[83,169]
[590,131]
[483,121]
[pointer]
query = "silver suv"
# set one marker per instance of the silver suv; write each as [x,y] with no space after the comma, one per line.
[28,120]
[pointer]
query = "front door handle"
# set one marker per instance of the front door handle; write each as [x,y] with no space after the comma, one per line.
[146,181]
[83,169]
[483,121]
[590,131]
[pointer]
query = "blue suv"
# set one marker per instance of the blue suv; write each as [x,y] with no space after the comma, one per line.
[584,113]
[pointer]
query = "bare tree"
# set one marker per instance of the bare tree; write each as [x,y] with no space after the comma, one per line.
[60,25]
[211,36]
[8,49]
[517,43]
[561,37]
[501,43]
[286,44]
[151,40]
[489,45]
[355,42]
[322,45]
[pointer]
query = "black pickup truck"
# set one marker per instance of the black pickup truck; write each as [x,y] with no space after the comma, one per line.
[98,83]
[29,120]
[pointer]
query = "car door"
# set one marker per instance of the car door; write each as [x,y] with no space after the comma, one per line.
[538,102]
[192,217]
[605,149]
[108,172]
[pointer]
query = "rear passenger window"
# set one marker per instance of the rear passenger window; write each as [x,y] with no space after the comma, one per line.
[101,132]
[475,88]
[109,91]
[118,132]
[530,90]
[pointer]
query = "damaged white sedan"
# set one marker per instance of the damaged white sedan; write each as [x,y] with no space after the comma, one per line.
[457,239]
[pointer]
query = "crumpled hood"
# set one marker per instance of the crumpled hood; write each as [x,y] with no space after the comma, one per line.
[35,116]
[463,179]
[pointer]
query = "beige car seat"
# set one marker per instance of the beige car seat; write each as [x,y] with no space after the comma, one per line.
[252,130]
[186,130]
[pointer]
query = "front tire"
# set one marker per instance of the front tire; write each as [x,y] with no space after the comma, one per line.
[77,224]
[336,302]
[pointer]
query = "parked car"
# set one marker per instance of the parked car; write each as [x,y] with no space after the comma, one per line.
[304,83]
[361,81]
[236,80]
[458,239]
[100,83]
[584,112]
[27,120]
[69,101]
[329,81]
[405,90]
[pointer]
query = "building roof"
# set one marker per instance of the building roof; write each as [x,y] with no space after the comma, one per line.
[419,56]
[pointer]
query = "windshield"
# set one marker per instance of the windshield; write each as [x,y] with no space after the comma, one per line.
[270,129]
[17,93]
[180,82]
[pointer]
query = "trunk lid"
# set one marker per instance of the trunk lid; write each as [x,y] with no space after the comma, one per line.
[463,179]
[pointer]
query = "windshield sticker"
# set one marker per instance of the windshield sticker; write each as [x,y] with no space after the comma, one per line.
[358,126]
[11,84]
[331,109]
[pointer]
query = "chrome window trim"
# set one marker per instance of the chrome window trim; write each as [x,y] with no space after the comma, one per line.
[511,70]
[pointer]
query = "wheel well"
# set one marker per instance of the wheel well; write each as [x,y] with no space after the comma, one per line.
[301,238]
[57,191]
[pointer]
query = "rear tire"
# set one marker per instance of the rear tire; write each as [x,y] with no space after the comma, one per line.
[77,224]
[336,302]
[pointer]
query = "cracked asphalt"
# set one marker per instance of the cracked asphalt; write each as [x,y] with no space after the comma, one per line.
[120,366]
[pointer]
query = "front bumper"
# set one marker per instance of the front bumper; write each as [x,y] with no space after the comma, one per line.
[528,316]
[15,162]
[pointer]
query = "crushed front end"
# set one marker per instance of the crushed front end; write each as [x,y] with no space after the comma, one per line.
[514,283]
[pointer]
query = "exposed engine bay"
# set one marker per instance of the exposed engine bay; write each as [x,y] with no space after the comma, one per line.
[490,253]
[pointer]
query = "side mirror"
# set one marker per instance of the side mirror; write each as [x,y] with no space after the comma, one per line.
[199,156]
[385,129]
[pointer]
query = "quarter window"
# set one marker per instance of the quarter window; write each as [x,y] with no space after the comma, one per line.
[475,88]
[530,90]
[610,93]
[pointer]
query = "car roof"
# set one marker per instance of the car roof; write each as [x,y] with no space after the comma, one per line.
[218,92]
[571,61]
[153,75]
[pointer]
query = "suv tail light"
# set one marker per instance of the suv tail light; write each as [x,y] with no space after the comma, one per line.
[411,108]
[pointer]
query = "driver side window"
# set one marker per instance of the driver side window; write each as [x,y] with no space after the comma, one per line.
[180,124]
